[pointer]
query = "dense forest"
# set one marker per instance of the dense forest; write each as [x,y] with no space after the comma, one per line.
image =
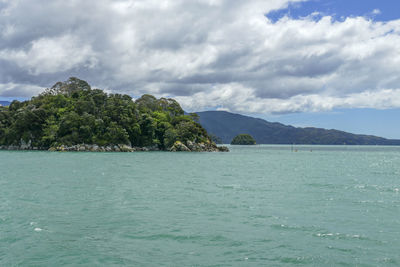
[72,113]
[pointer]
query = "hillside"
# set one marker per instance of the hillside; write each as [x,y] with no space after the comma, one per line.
[227,125]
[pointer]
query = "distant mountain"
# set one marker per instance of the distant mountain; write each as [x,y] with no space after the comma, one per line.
[4,103]
[227,125]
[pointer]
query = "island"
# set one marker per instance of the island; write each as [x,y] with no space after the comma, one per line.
[71,116]
[243,139]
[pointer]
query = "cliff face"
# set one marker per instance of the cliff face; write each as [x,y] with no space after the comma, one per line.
[71,116]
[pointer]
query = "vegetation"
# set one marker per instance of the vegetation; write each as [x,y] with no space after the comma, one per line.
[243,139]
[216,139]
[71,113]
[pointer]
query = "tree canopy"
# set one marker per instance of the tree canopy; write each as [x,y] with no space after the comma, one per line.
[243,139]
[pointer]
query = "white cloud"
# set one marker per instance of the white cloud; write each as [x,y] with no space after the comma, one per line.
[50,55]
[19,90]
[236,98]
[207,53]
[376,11]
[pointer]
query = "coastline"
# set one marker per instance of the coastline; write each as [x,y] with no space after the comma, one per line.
[177,147]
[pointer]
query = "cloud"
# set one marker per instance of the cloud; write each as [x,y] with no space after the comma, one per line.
[240,99]
[376,11]
[19,90]
[51,55]
[207,53]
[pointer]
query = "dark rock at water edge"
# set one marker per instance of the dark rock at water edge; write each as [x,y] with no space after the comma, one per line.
[96,148]
[177,147]
[190,146]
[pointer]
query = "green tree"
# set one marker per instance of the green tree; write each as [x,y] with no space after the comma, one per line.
[115,134]
[243,139]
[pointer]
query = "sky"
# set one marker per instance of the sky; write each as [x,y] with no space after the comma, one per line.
[322,63]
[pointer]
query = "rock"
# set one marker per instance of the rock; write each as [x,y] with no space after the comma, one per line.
[152,148]
[25,145]
[190,145]
[179,146]
[195,147]
[125,148]
[223,149]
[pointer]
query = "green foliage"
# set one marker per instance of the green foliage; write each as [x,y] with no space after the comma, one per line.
[243,139]
[73,87]
[215,139]
[195,117]
[115,134]
[148,103]
[71,113]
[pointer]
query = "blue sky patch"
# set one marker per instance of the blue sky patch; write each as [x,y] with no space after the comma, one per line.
[382,10]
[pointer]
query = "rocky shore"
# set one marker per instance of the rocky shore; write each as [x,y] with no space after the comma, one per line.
[190,146]
[177,147]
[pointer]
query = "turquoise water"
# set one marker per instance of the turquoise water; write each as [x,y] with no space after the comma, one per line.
[254,206]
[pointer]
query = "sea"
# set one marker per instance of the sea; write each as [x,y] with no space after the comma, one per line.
[263,205]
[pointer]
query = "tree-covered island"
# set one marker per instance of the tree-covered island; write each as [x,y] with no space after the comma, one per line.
[243,139]
[71,116]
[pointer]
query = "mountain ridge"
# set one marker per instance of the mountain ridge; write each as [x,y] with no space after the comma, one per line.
[226,126]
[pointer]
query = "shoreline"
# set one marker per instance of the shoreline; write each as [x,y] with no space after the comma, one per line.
[178,147]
